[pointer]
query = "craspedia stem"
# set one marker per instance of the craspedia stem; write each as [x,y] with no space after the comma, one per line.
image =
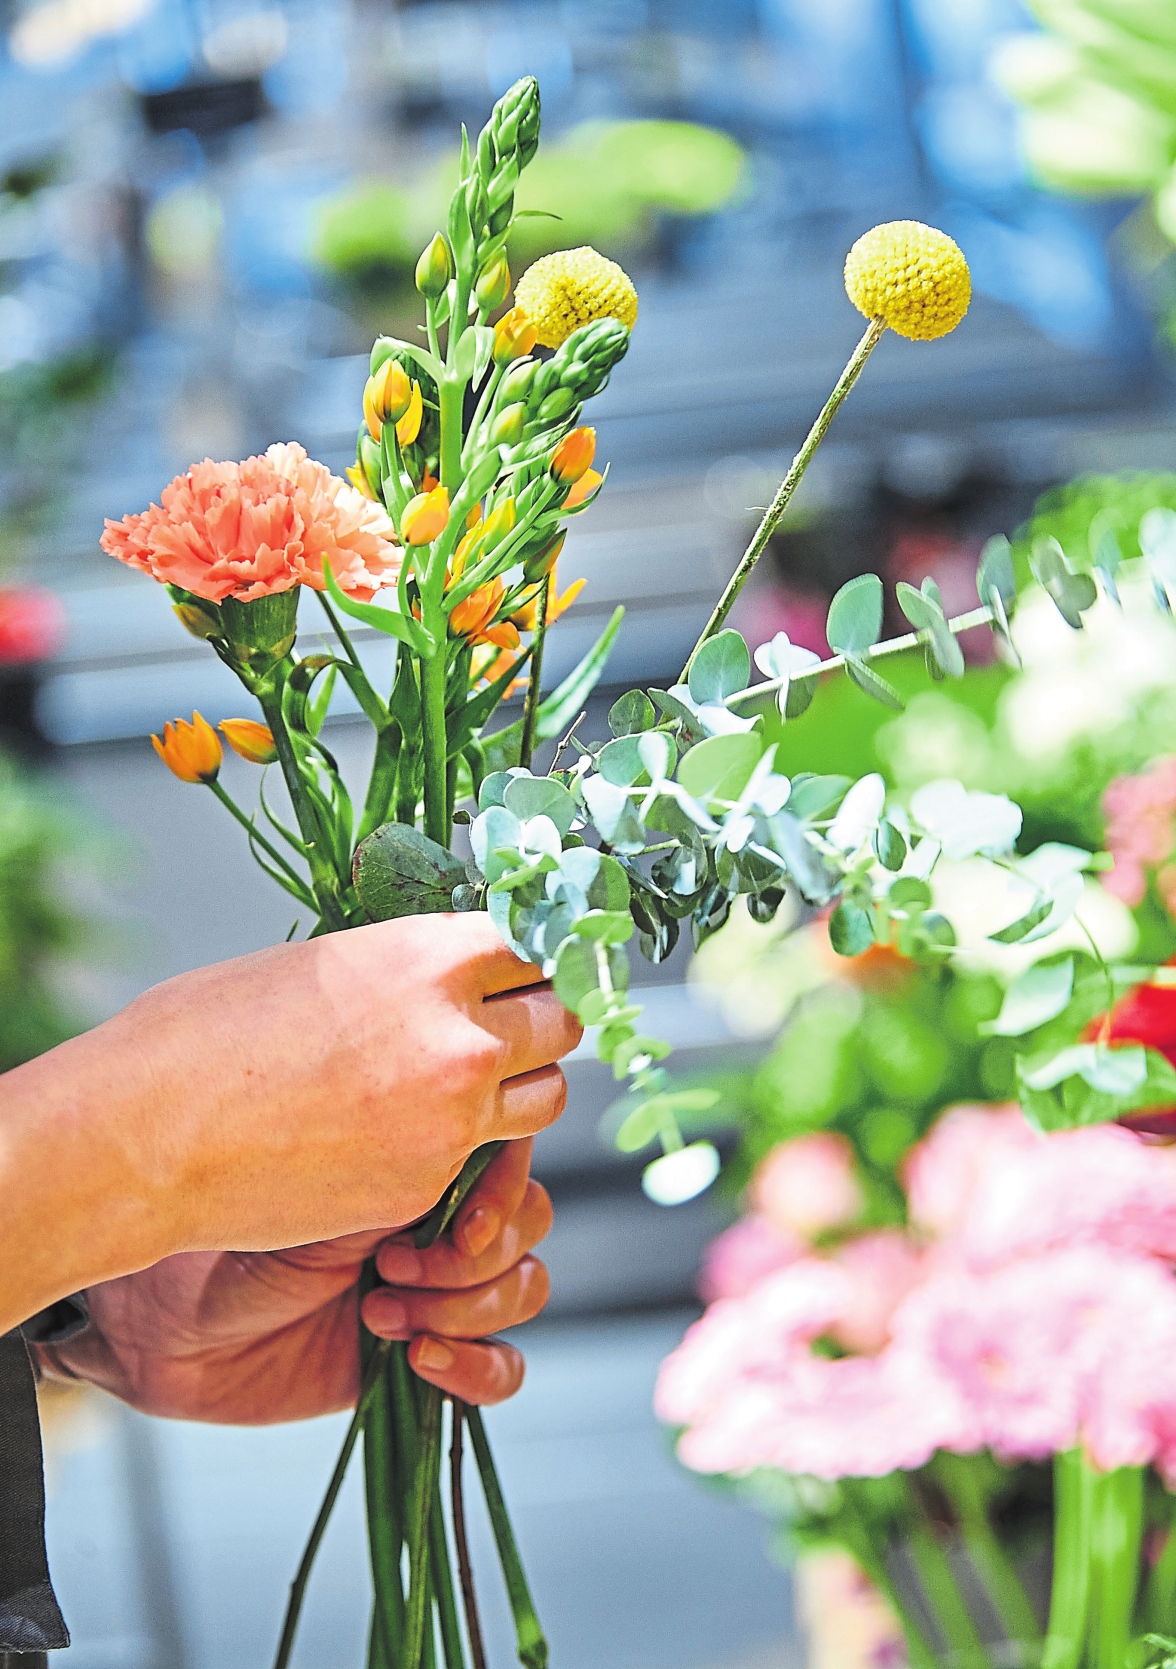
[775,510]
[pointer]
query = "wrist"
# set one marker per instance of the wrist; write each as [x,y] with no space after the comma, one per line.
[82,1171]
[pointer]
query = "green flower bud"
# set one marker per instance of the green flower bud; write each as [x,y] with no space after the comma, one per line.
[493,284]
[434,269]
[516,384]
[557,405]
[509,425]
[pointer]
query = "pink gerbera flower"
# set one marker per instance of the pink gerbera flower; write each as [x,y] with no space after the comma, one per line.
[251,529]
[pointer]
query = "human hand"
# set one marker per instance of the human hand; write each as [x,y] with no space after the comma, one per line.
[299,1094]
[259,1337]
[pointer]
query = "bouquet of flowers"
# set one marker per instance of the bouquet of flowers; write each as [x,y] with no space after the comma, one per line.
[469,459]
[899,1393]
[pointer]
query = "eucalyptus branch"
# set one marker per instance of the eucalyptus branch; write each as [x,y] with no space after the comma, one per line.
[775,511]
[893,646]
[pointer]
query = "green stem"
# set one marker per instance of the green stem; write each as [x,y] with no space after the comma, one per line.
[775,510]
[1070,1593]
[385,1528]
[431,322]
[443,1588]
[893,646]
[945,1601]
[957,1474]
[435,743]
[532,1645]
[324,880]
[371,1380]
[382,782]
[450,397]
[860,1543]
[531,704]
[1159,1600]
[460,1541]
[255,834]
[424,1493]
[338,629]
[1116,1535]
[488,393]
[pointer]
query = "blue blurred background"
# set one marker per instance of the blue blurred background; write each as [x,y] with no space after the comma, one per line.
[207,210]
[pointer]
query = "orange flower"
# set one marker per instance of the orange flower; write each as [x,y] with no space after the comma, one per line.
[486,664]
[514,336]
[409,426]
[387,395]
[527,617]
[253,741]
[573,455]
[190,751]
[425,517]
[473,617]
[255,528]
[586,485]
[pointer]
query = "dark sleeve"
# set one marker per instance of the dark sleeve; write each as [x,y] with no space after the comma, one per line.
[30,1618]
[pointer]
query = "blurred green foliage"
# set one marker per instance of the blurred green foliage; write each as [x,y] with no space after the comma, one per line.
[604,183]
[35,926]
[1068,513]
[878,1062]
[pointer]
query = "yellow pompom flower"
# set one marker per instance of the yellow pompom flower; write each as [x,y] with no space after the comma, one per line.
[574,287]
[912,277]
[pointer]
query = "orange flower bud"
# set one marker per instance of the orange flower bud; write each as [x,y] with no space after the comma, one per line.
[409,426]
[386,396]
[191,752]
[535,567]
[573,455]
[514,336]
[253,741]
[359,481]
[583,488]
[498,524]
[477,610]
[425,517]
[462,554]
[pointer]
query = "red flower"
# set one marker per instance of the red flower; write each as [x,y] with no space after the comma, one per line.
[32,626]
[1147,1016]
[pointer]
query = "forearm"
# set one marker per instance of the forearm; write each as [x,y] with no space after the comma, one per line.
[84,1197]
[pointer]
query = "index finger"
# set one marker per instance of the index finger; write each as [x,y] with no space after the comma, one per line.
[487,961]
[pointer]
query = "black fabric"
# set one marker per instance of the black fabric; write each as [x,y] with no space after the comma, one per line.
[30,1618]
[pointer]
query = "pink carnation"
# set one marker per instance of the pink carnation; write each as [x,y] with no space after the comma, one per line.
[808,1185]
[251,529]
[739,1257]
[1140,829]
[882,1268]
[942,1174]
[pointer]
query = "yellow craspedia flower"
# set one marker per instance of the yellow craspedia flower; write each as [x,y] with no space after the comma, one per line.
[571,288]
[910,275]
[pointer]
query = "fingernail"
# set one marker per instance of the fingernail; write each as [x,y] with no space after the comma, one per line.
[480,1228]
[399,1265]
[431,1353]
[385,1316]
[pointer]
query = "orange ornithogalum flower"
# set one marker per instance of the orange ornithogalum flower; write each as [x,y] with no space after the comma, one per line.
[253,741]
[387,396]
[583,488]
[573,455]
[190,751]
[490,666]
[527,617]
[425,517]
[474,617]
[409,426]
[514,336]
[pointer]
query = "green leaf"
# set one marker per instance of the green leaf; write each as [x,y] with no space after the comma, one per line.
[924,610]
[613,813]
[889,846]
[1047,915]
[720,767]
[909,893]
[577,971]
[721,668]
[634,712]
[1040,994]
[620,761]
[1072,593]
[867,679]
[855,615]
[995,572]
[640,1128]
[600,878]
[609,927]
[558,709]
[530,797]
[398,871]
[814,797]
[384,620]
[850,931]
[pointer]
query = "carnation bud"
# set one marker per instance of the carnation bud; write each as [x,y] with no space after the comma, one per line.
[434,269]
[493,284]
[514,336]
[509,425]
